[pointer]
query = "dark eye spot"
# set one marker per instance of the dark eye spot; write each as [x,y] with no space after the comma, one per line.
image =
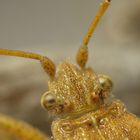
[51,101]
[90,124]
[61,107]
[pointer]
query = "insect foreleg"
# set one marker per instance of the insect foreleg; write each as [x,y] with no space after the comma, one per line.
[20,129]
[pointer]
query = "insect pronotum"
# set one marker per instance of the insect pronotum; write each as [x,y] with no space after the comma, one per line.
[77,95]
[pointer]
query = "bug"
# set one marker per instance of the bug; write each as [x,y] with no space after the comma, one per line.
[77,95]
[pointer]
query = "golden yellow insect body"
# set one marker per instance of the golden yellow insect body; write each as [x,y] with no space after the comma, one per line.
[110,122]
[88,117]
[78,97]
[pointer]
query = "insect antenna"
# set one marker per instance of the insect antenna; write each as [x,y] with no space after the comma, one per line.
[82,54]
[46,63]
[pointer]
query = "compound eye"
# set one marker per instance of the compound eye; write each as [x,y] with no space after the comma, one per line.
[48,100]
[106,84]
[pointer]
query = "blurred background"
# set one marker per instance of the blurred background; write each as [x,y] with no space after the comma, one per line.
[56,29]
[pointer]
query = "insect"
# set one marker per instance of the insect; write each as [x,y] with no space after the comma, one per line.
[78,97]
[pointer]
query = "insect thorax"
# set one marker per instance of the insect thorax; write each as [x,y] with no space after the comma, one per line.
[110,122]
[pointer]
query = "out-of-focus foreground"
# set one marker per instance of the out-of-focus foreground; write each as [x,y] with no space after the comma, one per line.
[56,29]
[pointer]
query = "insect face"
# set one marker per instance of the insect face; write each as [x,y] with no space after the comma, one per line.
[74,91]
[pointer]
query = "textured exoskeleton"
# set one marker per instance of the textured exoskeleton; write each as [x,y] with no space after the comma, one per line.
[80,99]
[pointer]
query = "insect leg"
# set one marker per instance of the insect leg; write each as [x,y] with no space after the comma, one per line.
[20,129]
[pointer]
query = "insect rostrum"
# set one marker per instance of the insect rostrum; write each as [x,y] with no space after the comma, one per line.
[77,95]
